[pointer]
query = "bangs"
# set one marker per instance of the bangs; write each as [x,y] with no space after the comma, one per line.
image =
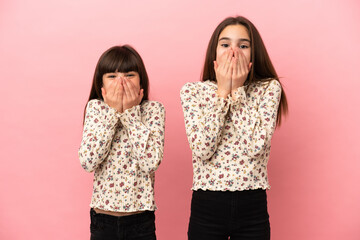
[118,59]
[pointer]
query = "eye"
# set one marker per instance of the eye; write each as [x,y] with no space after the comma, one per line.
[130,74]
[243,46]
[225,45]
[111,76]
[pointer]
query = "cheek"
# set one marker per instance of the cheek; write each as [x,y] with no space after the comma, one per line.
[136,82]
[248,55]
[219,52]
[106,83]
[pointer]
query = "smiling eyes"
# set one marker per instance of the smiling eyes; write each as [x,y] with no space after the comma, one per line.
[241,46]
[128,75]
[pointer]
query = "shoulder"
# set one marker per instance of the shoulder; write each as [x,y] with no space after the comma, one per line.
[152,106]
[265,86]
[193,88]
[96,104]
[273,83]
[273,87]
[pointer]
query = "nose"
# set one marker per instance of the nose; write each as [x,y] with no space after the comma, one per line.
[234,46]
[120,75]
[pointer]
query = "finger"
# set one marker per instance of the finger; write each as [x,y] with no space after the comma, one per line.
[134,90]
[130,91]
[121,90]
[223,56]
[231,72]
[227,64]
[238,53]
[230,55]
[113,86]
[238,63]
[126,89]
[223,60]
[235,67]
[243,65]
[117,86]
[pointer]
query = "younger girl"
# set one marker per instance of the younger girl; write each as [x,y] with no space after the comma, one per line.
[230,117]
[123,141]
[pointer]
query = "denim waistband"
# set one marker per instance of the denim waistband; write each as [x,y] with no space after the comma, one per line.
[129,219]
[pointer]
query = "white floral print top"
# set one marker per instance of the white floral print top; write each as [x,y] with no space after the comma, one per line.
[230,139]
[124,150]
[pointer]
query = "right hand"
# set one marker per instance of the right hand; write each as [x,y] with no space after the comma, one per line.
[113,95]
[132,95]
[223,71]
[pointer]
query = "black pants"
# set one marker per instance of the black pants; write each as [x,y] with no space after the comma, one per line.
[217,215]
[138,226]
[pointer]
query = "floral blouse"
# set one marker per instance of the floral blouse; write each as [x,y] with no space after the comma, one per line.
[230,139]
[124,150]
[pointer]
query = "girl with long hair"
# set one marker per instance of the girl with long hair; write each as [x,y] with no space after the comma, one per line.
[230,117]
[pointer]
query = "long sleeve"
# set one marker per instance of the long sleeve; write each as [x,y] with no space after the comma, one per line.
[99,130]
[204,114]
[256,122]
[146,134]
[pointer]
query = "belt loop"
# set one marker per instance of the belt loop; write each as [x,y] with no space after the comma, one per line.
[93,212]
[93,216]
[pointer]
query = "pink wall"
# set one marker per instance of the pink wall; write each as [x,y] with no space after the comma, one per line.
[48,51]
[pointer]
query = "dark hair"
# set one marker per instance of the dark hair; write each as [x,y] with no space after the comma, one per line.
[121,59]
[262,70]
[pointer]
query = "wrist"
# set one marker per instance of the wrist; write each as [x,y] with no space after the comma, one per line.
[126,107]
[223,93]
[118,109]
[235,86]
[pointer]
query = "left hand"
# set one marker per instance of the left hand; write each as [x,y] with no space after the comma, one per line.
[132,95]
[240,69]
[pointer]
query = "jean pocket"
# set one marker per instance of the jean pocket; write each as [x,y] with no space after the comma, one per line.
[147,227]
[143,230]
[95,224]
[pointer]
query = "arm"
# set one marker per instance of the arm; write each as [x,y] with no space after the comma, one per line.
[99,130]
[146,134]
[256,126]
[204,119]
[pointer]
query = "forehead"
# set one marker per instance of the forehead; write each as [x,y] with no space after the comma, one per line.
[234,32]
[118,62]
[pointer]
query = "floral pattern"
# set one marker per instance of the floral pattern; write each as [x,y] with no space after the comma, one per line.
[230,139]
[124,150]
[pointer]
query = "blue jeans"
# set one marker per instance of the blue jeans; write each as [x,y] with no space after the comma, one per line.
[217,215]
[138,226]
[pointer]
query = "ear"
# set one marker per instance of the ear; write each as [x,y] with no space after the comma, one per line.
[103,93]
[215,65]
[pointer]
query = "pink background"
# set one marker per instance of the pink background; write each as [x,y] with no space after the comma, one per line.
[48,52]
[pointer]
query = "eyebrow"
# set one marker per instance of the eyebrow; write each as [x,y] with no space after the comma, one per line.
[241,39]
